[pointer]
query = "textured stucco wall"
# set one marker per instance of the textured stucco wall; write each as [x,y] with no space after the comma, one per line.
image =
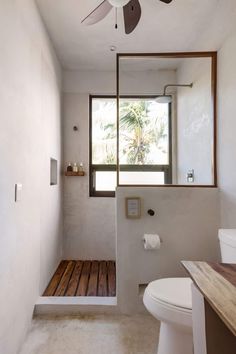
[31,229]
[195,122]
[89,223]
[187,220]
[226,131]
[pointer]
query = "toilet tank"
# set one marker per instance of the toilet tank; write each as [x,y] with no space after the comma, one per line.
[227,239]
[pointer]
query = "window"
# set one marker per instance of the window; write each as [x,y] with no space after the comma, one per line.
[144,143]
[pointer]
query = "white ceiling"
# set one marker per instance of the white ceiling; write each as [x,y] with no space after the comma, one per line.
[174,27]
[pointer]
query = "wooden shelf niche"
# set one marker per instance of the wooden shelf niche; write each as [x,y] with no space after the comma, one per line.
[74,174]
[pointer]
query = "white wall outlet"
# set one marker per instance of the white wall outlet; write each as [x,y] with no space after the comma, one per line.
[190,176]
[18,192]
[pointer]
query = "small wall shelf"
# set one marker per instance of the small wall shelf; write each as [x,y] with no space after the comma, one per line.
[75,174]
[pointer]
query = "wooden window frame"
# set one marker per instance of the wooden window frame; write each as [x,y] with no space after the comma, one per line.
[167,169]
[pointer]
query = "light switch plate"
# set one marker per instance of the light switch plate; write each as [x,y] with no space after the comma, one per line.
[18,192]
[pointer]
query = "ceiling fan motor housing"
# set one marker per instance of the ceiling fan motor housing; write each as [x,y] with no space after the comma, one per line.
[118,3]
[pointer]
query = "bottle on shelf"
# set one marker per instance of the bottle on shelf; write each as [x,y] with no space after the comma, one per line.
[75,167]
[69,167]
[81,167]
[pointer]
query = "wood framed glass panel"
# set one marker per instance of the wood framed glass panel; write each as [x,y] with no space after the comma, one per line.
[185,157]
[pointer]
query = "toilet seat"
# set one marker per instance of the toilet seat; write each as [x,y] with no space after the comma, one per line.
[172,291]
[170,300]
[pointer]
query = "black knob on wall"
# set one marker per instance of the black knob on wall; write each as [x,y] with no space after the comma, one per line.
[151,212]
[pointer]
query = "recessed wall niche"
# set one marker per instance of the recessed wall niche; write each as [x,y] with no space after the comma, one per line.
[53,172]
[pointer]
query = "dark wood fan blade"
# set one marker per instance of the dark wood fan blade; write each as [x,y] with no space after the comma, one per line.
[166,1]
[132,15]
[98,14]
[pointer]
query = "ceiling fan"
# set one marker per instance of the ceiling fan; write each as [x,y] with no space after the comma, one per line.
[131,10]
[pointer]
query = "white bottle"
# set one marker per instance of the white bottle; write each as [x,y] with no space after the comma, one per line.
[75,167]
[81,167]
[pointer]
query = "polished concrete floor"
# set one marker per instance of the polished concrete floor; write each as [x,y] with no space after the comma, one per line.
[101,334]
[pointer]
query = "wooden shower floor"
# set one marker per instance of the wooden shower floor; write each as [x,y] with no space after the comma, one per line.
[83,278]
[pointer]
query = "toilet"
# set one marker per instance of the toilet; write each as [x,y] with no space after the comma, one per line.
[169,300]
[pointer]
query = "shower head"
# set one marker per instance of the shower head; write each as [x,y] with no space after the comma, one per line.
[165,98]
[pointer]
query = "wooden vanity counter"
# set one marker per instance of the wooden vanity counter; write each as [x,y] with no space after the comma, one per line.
[217,283]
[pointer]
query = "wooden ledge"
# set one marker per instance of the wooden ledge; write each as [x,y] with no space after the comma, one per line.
[74,174]
[216,282]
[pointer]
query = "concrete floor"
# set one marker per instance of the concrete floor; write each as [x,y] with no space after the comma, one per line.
[101,334]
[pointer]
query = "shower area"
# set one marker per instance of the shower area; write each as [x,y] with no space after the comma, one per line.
[85,273]
[163,137]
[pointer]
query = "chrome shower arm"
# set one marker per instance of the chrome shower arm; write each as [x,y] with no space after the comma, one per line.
[176,85]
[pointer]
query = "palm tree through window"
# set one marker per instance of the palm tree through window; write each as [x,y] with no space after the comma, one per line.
[144,143]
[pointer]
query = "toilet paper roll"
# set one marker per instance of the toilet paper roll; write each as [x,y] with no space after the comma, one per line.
[151,242]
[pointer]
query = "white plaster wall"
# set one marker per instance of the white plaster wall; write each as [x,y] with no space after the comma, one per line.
[226,131]
[220,35]
[195,122]
[104,82]
[186,219]
[30,230]
[89,223]
[89,82]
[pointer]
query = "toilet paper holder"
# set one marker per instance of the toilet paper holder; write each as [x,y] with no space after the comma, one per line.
[161,240]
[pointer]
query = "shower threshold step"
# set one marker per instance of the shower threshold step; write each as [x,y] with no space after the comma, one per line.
[75,305]
[75,278]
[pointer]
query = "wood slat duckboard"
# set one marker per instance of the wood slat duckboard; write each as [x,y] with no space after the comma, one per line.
[83,278]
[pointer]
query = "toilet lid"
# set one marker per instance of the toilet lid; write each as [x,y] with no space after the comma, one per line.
[173,291]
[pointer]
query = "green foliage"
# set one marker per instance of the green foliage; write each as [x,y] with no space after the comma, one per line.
[139,132]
